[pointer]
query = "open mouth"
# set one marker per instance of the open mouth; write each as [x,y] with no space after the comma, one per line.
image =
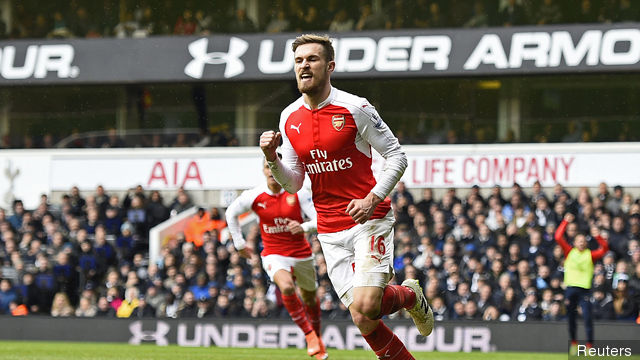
[306,76]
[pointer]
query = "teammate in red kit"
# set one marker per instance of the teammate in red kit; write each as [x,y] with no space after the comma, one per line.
[328,134]
[286,254]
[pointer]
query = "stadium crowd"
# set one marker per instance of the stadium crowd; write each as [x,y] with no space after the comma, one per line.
[111,18]
[489,257]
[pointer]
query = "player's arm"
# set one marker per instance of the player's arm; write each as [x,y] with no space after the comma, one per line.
[376,133]
[238,207]
[559,235]
[308,210]
[602,250]
[287,171]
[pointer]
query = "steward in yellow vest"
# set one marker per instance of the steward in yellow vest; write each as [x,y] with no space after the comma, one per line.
[578,274]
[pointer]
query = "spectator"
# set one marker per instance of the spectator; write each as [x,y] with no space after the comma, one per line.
[529,309]
[480,18]
[137,217]
[7,295]
[436,18]
[602,304]
[18,212]
[86,308]
[241,23]
[61,306]
[185,25]
[513,14]
[555,312]
[60,29]
[614,203]
[17,308]
[624,305]
[341,22]
[81,24]
[278,23]
[310,21]
[440,311]
[105,251]
[491,314]
[129,304]
[189,307]
[401,191]
[143,310]
[369,20]
[471,311]
[181,203]
[127,27]
[104,309]
[549,12]
[146,25]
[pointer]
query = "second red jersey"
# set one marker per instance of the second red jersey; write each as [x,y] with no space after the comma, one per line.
[274,212]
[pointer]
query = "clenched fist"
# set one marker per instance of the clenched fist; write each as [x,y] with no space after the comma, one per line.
[269,141]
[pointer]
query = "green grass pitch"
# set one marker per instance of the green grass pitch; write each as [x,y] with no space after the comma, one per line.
[30,350]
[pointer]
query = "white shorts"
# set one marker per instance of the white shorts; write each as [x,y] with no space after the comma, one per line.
[359,256]
[302,269]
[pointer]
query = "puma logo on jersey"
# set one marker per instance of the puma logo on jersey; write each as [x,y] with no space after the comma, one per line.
[262,205]
[296,128]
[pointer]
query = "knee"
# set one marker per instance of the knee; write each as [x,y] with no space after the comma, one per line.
[287,288]
[358,318]
[366,307]
[361,320]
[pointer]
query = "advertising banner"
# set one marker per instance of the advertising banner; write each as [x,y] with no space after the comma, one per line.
[448,336]
[26,174]
[375,54]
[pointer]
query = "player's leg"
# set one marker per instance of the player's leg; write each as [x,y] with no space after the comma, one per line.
[279,270]
[373,297]
[338,250]
[305,277]
[585,305]
[284,281]
[312,307]
[384,343]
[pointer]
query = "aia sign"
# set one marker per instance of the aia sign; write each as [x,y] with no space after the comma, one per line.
[174,174]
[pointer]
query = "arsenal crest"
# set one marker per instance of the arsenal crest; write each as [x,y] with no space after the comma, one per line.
[338,122]
[291,200]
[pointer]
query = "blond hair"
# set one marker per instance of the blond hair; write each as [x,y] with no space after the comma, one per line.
[323,40]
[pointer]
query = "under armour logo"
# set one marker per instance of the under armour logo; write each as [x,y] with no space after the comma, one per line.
[262,205]
[296,128]
[159,336]
[234,66]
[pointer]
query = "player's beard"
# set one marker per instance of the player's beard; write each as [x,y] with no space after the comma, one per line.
[311,87]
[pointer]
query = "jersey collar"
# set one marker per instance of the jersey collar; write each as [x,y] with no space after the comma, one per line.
[269,192]
[325,102]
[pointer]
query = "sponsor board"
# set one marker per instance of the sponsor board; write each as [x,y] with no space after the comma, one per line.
[403,53]
[26,174]
[279,333]
[456,339]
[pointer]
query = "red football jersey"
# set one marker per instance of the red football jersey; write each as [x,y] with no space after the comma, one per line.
[332,144]
[274,212]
